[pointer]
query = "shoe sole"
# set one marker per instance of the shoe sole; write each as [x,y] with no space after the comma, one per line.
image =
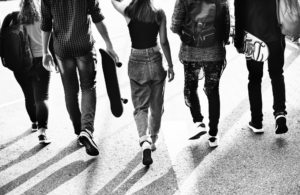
[90,146]
[256,130]
[198,135]
[45,141]
[34,130]
[212,144]
[147,160]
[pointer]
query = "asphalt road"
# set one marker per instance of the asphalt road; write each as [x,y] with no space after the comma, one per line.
[244,163]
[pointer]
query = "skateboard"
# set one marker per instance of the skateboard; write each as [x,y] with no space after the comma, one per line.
[112,84]
[254,48]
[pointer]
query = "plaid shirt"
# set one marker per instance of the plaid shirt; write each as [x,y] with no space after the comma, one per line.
[72,31]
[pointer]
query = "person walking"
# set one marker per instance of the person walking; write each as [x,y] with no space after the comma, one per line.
[210,61]
[259,18]
[35,82]
[74,50]
[145,68]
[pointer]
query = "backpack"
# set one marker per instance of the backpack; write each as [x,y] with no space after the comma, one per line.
[198,28]
[15,50]
[288,15]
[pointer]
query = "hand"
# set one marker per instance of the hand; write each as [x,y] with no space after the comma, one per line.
[171,74]
[48,63]
[113,54]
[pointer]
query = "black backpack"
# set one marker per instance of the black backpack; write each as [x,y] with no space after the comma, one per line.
[198,28]
[15,49]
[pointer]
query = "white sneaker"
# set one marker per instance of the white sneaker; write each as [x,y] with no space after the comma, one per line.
[197,131]
[213,141]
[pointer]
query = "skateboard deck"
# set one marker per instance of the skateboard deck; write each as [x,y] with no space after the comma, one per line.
[254,48]
[111,83]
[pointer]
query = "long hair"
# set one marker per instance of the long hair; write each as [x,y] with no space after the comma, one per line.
[29,11]
[143,10]
[294,5]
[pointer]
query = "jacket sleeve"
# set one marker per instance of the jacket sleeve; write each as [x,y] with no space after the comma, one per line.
[226,22]
[178,16]
[95,11]
[46,23]
[239,31]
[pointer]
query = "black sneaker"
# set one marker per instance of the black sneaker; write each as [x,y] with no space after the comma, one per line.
[280,127]
[147,160]
[256,128]
[34,127]
[43,139]
[86,138]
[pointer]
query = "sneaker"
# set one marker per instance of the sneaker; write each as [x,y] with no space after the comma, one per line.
[86,138]
[256,128]
[213,141]
[79,142]
[43,139]
[280,127]
[34,127]
[198,131]
[146,160]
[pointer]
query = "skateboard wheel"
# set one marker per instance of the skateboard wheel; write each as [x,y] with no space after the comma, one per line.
[124,101]
[118,64]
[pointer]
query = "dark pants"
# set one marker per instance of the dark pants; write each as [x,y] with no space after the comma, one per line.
[212,73]
[35,86]
[86,66]
[275,66]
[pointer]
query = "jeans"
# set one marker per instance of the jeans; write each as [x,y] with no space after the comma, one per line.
[212,73]
[35,86]
[86,66]
[276,63]
[147,81]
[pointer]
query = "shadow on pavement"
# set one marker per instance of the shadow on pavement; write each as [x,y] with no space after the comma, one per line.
[23,156]
[111,186]
[167,185]
[73,147]
[23,135]
[60,177]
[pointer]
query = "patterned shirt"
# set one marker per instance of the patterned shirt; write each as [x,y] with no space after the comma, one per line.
[216,52]
[71,25]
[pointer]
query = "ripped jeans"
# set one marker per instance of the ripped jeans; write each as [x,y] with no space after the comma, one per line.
[147,81]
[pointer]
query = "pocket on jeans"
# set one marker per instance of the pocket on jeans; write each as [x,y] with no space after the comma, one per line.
[159,72]
[136,69]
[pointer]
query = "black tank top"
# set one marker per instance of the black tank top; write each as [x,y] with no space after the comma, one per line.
[143,35]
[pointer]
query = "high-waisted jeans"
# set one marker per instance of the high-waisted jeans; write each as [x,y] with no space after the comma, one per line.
[147,81]
[86,67]
[35,86]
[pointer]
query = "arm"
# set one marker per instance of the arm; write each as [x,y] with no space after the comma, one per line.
[239,31]
[97,17]
[164,42]
[120,6]
[101,27]
[226,23]
[178,17]
[46,27]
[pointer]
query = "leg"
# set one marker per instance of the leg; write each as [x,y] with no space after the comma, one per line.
[213,72]
[254,89]
[40,83]
[191,72]
[276,63]
[87,74]
[26,86]
[158,78]
[67,69]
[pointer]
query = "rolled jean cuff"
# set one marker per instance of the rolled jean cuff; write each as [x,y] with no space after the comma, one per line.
[145,138]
